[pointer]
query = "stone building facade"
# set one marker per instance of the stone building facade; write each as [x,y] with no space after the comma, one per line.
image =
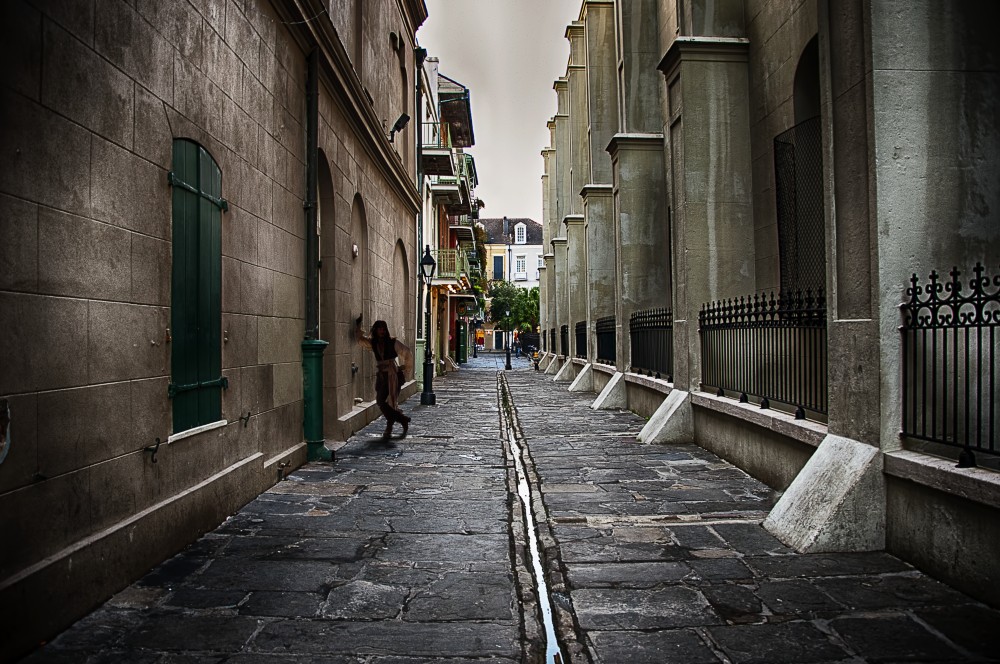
[159,268]
[514,253]
[769,181]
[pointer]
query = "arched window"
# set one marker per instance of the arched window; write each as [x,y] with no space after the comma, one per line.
[196,380]
[520,234]
[798,167]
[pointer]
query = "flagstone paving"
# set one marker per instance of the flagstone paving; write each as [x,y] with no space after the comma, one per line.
[415,551]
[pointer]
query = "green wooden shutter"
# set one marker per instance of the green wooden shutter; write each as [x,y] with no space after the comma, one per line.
[196,313]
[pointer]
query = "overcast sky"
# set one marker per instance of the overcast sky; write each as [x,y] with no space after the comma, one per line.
[508,53]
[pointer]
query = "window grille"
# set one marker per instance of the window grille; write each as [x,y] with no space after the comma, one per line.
[798,169]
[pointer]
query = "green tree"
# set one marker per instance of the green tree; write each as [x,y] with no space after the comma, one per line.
[522,304]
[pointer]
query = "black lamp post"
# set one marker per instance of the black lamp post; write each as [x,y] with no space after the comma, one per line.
[427,265]
[506,342]
[475,342]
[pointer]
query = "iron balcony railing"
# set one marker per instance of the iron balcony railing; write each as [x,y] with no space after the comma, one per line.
[580,330]
[451,263]
[774,349]
[949,369]
[651,333]
[468,168]
[564,340]
[605,333]
[436,134]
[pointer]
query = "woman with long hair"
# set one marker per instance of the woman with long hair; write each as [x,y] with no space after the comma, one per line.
[393,360]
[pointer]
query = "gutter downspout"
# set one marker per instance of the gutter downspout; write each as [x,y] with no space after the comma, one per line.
[312,345]
[420,54]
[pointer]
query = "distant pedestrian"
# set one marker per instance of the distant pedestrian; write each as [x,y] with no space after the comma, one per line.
[393,361]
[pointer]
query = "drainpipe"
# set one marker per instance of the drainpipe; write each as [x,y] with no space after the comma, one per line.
[420,54]
[312,345]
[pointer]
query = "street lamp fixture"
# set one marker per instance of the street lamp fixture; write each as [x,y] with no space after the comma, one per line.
[427,265]
[506,343]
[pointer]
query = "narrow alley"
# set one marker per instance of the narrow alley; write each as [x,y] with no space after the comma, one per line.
[415,550]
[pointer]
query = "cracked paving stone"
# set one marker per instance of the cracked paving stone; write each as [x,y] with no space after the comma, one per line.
[676,606]
[890,591]
[282,604]
[796,597]
[719,569]
[464,597]
[972,627]
[824,564]
[897,638]
[590,551]
[444,548]
[783,643]
[390,638]
[187,631]
[626,575]
[735,603]
[296,575]
[328,549]
[364,600]
[750,539]
[661,647]
[204,598]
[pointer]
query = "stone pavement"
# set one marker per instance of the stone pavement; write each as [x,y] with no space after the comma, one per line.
[416,551]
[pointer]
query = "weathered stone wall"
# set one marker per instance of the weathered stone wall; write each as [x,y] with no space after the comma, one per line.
[91,101]
[778,31]
[770,457]
[936,154]
[947,536]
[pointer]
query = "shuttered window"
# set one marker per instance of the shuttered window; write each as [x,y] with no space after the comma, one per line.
[196,382]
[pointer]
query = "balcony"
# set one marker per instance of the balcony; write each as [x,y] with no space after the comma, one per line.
[462,227]
[437,151]
[466,182]
[446,191]
[452,267]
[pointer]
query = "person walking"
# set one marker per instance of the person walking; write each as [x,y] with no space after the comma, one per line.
[393,360]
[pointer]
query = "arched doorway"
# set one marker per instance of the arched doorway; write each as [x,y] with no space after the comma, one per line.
[363,378]
[402,311]
[328,313]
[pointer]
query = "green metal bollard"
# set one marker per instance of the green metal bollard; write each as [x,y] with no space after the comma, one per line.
[312,397]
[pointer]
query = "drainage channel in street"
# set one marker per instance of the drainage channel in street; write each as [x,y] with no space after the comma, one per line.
[552,653]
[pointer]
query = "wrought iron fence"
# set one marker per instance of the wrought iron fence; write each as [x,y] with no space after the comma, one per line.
[605,331]
[774,349]
[652,335]
[581,338]
[564,340]
[529,340]
[949,369]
